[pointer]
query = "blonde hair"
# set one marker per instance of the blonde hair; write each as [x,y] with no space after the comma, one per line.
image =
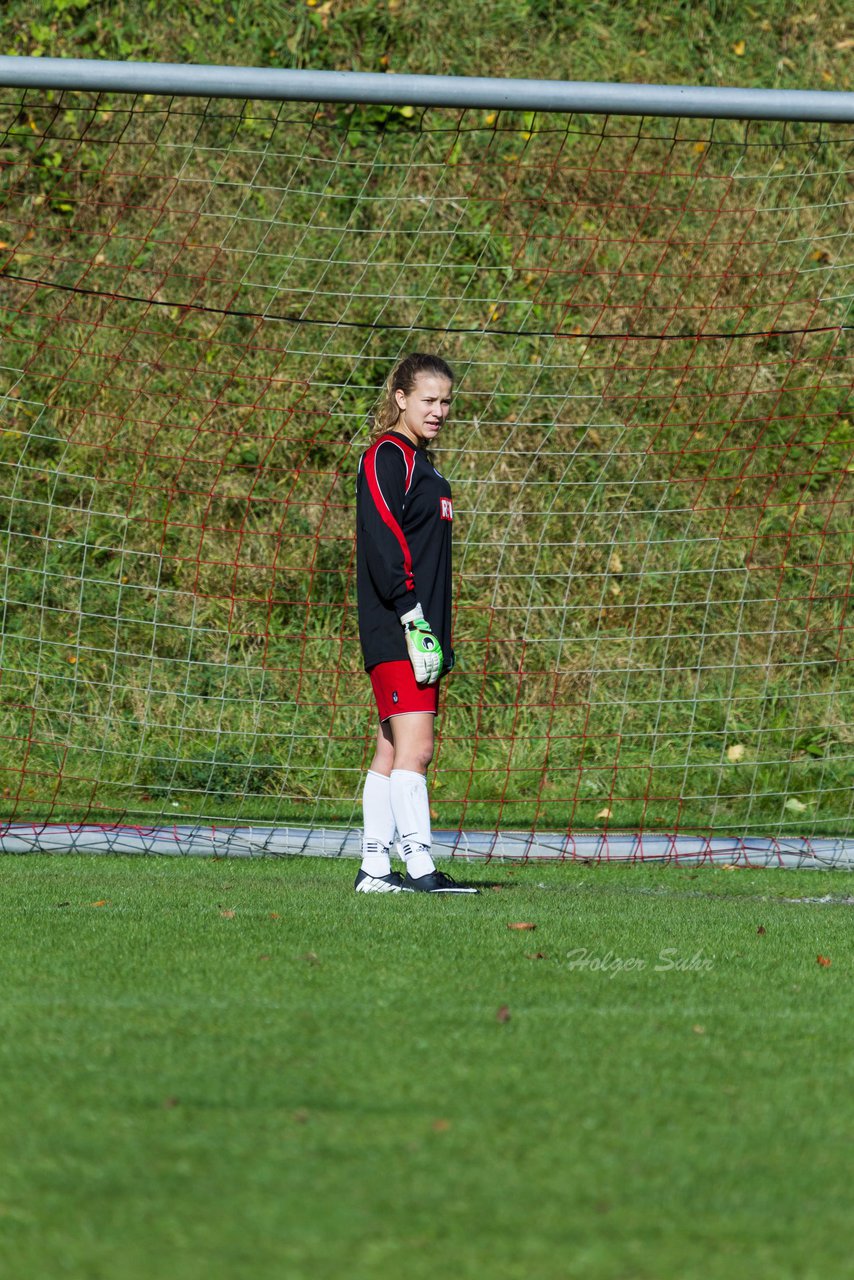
[402,378]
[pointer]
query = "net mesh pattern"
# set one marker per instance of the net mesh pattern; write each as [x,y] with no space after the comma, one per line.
[650,454]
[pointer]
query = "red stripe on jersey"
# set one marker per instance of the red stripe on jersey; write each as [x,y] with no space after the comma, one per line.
[380,501]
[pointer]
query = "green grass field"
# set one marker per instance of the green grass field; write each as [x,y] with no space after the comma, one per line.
[239,1069]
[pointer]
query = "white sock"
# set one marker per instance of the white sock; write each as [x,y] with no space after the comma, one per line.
[377,825]
[411,808]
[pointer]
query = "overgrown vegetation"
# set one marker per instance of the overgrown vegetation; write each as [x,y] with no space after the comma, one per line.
[770,45]
[654,540]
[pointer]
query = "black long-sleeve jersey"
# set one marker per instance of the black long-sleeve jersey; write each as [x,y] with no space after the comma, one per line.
[404,518]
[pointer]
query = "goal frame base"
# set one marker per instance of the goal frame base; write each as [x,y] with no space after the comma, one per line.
[258,841]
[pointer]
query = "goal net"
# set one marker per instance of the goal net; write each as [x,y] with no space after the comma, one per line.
[650,452]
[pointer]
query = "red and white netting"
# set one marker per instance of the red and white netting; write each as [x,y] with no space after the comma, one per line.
[650,452]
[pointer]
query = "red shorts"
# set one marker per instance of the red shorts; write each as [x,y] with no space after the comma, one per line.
[396,692]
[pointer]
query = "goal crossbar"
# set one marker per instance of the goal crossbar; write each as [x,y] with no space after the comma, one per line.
[286,85]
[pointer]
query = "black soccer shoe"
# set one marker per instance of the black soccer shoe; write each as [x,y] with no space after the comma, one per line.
[392,883]
[436,882]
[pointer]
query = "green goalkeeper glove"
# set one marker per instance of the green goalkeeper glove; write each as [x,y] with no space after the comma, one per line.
[425,652]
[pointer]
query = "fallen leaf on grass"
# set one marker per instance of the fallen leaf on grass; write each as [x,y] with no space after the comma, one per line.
[227,915]
[310,957]
[503,1014]
[535,955]
[274,915]
[604,813]
[102,902]
[761,929]
[824,961]
[521,924]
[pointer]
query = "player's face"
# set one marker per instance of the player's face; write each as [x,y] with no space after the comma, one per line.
[424,409]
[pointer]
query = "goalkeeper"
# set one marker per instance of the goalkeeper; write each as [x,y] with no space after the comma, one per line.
[404,519]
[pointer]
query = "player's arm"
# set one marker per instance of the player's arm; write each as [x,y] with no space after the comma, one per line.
[382,496]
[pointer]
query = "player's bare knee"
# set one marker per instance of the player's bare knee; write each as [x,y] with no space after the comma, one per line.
[383,761]
[415,758]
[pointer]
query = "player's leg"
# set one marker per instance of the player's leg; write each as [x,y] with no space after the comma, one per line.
[375,873]
[404,750]
[413,737]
